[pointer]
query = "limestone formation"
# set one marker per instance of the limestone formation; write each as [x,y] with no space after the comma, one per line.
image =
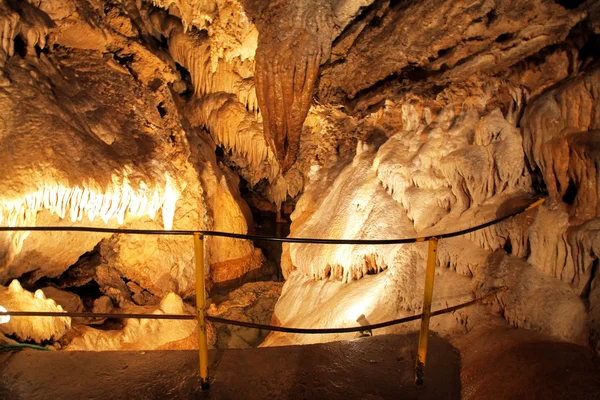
[38,330]
[357,119]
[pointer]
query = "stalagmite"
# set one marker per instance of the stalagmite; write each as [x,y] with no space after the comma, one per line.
[15,298]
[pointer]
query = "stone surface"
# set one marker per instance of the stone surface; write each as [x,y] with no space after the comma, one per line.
[144,334]
[529,364]
[252,302]
[38,330]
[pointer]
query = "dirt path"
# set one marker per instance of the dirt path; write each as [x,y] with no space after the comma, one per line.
[508,363]
[496,364]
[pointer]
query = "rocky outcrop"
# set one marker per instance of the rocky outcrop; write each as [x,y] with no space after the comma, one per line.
[38,330]
[555,142]
[434,172]
[253,302]
[451,42]
[144,334]
[95,140]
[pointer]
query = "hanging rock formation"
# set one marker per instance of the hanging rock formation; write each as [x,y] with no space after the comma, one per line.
[294,39]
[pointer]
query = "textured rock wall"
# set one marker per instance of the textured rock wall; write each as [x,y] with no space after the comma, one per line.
[455,112]
[388,119]
[94,134]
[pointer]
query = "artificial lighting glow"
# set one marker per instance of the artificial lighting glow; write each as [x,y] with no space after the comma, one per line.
[4,319]
[119,200]
[356,310]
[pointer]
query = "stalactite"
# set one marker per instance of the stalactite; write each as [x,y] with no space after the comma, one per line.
[236,129]
[295,38]
[119,200]
[193,51]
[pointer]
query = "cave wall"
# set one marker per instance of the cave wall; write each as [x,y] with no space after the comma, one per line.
[94,134]
[376,118]
[457,114]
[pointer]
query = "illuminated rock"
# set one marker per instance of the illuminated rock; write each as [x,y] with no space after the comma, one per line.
[433,173]
[139,334]
[15,298]
[378,120]
[97,141]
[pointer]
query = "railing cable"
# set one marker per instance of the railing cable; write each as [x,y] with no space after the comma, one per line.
[248,324]
[269,238]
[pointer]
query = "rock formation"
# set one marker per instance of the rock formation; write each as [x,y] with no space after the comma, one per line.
[374,119]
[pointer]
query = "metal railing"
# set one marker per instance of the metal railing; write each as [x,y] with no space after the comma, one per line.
[201,316]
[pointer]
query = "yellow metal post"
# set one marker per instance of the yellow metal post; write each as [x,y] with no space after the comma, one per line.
[200,304]
[427,297]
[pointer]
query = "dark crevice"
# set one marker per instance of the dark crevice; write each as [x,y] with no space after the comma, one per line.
[570,193]
[507,246]
[505,37]
[161,109]
[164,42]
[570,4]
[187,78]
[590,49]
[87,293]
[376,21]
[126,60]
[491,17]
[20,46]
[441,53]
[39,50]
[220,154]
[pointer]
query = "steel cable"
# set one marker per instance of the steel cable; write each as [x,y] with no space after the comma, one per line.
[269,238]
[249,324]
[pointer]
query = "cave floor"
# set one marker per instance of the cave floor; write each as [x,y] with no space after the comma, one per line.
[483,364]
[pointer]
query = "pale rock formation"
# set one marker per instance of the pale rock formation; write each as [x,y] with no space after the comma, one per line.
[561,139]
[229,259]
[108,148]
[24,20]
[424,181]
[15,298]
[237,130]
[441,172]
[232,33]
[67,300]
[226,104]
[534,300]
[333,304]
[353,206]
[550,250]
[145,334]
